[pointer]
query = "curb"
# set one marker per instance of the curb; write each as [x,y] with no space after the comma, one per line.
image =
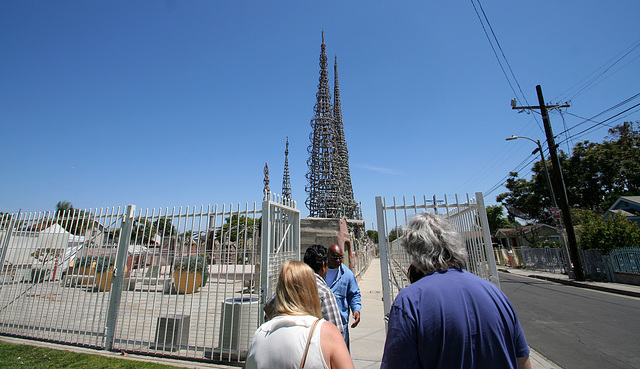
[586,285]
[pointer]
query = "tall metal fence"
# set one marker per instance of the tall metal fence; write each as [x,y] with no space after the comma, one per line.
[467,215]
[120,280]
[552,260]
[625,260]
[597,266]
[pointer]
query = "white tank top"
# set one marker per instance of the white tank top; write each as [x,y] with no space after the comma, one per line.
[280,343]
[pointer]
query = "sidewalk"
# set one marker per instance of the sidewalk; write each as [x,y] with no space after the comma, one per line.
[367,339]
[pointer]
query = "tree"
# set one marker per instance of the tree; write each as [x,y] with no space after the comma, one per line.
[143,232]
[75,221]
[395,233]
[5,220]
[602,172]
[46,254]
[497,220]
[373,235]
[236,226]
[595,176]
[606,235]
[63,206]
[164,227]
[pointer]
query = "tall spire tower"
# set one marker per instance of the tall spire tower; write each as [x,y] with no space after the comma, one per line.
[323,187]
[342,159]
[286,180]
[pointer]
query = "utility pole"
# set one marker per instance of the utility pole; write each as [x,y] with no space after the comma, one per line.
[558,183]
[552,196]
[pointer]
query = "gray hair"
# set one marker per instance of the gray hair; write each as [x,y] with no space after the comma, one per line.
[433,243]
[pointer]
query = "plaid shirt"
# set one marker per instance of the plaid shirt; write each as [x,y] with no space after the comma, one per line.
[328,303]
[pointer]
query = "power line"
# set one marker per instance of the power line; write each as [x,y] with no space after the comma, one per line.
[604,121]
[607,66]
[502,181]
[624,102]
[517,169]
[506,61]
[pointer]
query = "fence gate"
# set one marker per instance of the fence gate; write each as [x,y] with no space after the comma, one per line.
[280,240]
[468,216]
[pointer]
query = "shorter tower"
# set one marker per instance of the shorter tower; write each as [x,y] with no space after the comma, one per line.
[286,180]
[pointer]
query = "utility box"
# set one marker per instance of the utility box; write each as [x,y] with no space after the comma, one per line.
[238,323]
[172,332]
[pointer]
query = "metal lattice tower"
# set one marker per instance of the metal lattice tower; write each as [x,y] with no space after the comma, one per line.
[266,190]
[323,188]
[346,189]
[286,180]
[329,190]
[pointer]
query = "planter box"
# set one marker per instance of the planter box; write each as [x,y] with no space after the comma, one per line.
[186,282]
[103,280]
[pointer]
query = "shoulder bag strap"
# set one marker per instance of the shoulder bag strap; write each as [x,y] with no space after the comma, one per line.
[306,349]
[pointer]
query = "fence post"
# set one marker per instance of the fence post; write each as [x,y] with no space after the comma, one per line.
[116,290]
[484,221]
[265,237]
[5,245]
[384,259]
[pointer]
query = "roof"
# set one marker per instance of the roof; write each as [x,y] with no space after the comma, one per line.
[628,206]
[634,200]
[509,232]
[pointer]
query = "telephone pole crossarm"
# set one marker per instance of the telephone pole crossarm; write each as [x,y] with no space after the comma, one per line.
[549,107]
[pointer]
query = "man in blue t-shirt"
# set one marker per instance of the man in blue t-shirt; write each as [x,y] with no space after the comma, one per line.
[449,318]
[342,282]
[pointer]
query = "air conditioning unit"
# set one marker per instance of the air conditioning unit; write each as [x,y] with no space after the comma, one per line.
[172,332]
[238,323]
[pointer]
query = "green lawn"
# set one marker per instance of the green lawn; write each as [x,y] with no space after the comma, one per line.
[25,356]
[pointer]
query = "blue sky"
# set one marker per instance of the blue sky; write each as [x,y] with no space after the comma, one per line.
[170,103]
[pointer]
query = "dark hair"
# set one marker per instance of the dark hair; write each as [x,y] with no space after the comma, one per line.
[315,256]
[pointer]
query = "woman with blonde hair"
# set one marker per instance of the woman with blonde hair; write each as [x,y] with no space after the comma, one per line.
[297,337]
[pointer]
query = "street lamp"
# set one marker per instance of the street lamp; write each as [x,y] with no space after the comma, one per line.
[553,197]
[544,164]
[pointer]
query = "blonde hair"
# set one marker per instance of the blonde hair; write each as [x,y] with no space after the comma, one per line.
[296,291]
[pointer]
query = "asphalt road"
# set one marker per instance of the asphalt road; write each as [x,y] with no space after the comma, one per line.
[576,327]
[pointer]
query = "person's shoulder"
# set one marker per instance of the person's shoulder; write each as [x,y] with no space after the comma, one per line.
[322,287]
[320,280]
[330,334]
[346,270]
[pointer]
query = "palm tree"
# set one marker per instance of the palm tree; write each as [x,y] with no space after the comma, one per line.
[73,220]
[63,206]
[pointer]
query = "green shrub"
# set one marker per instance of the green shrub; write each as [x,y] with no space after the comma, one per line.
[37,275]
[83,262]
[606,235]
[104,263]
[193,264]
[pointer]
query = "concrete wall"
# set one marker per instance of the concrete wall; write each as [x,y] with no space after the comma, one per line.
[627,278]
[321,231]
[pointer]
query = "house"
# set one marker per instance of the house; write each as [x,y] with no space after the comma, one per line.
[628,206]
[524,236]
[55,244]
